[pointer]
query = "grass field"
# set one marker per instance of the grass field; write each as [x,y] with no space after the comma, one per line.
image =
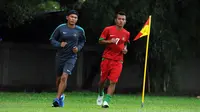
[86,102]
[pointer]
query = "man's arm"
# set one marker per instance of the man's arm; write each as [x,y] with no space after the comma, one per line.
[125,50]
[81,40]
[103,37]
[102,41]
[54,38]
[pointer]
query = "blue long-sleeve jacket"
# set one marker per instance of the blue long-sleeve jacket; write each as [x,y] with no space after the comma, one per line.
[73,37]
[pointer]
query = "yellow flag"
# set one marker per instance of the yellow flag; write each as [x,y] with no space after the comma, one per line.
[145,30]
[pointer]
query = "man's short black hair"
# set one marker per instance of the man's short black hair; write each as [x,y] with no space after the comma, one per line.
[120,13]
[72,12]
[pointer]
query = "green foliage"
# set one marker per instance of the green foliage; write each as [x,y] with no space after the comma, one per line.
[173,37]
[188,28]
[99,13]
[18,12]
[164,47]
[48,6]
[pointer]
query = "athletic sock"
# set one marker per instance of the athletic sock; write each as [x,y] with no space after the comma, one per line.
[107,98]
[101,93]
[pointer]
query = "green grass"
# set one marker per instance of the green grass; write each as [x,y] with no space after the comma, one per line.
[86,102]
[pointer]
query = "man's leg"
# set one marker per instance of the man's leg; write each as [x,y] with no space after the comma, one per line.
[67,70]
[103,77]
[100,92]
[57,86]
[101,87]
[113,77]
[59,71]
[62,85]
[110,92]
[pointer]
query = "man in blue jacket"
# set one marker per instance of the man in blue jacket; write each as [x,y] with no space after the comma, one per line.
[69,39]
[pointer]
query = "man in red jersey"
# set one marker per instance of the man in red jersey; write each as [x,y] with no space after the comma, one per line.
[116,38]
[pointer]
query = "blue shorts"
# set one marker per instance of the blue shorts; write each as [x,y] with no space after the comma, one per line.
[65,66]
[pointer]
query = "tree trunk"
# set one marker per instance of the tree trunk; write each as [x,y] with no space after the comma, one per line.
[165,85]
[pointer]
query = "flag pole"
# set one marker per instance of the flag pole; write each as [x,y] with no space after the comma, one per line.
[145,65]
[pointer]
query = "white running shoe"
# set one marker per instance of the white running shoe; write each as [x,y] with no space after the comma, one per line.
[99,100]
[105,104]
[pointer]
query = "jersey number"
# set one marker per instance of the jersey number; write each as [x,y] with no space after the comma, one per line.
[117,40]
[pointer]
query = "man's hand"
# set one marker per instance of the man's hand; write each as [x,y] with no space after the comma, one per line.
[124,50]
[113,40]
[63,44]
[75,49]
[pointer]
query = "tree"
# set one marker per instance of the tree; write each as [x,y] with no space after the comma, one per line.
[17,12]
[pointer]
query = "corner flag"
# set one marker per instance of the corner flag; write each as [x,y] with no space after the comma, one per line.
[145,32]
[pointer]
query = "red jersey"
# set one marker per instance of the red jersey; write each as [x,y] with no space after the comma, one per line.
[114,51]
